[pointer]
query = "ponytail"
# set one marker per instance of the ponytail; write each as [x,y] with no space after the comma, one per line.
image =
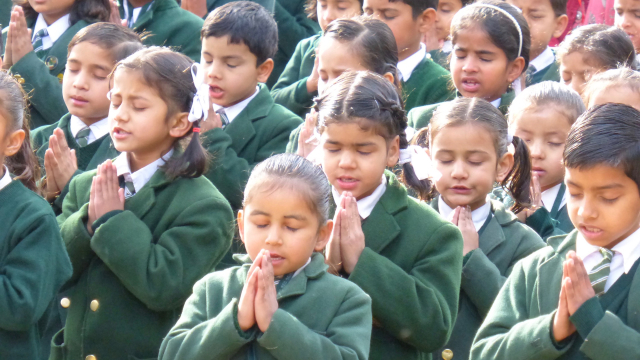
[192,162]
[518,180]
[425,189]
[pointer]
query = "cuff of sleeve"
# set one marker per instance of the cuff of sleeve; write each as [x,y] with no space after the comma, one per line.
[467,257]
[559,345]
[211,136]
[587,316]
[103,219]
[540,221]
[302,96]
[248,335]
[57,203]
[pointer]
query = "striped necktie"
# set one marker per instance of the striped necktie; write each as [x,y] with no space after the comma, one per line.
[126,182]
[600,272]
[223,117]
[531,70]
[38,46]
[82,137]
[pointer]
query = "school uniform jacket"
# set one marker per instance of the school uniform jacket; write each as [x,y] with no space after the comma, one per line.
[441,58]
[131,278]
[213,4]
[519,323]
[411,267]
[429,84]
[319,316]
[503,242]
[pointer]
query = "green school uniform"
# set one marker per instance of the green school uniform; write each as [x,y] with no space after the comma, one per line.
[213,4]
[171,26]
[34,265]
[291,89]
[519,324]
[5,13]
[131,278]
[421,116]
[549,73]
[41,76]
[411,267]
[429,84]
[319,316]
[503,241]
[441,58]
[89,157]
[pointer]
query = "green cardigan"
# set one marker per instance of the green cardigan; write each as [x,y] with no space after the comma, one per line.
[441,58]
[139,266]
[429,84]
[291,89]
[43,83]
[519,323]
[411,267]
[33,267]
[319,316]
[503,242]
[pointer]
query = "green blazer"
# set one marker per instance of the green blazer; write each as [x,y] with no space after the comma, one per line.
[34,265]
[441,58]
[550,73]
[169,25]
[411,267]
[503,242]
[267,4]
[429,84]
[421,116]
[519,323]
[132,277]
[44,83]
[319,316]
[291,89]
[89,157]
[5,13]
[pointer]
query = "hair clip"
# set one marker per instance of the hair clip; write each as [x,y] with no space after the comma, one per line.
[196,129]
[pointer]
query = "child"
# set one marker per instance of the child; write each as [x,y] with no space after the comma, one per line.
[547,20]
[423,81]
[490,51]
[620,86]
[446,10]
[591,49]
[34,263]
[378,228]
[298,84]
[626,19]
[142,230]
[38,60]
[80,140]
[306,313]
[577,298]
[468,144]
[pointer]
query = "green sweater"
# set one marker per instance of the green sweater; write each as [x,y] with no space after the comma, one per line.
[429,84]
[140,265]
[441,58]
[519,324]
[411,267]
[291,89]
[33,267]
[502,243]
[319,316]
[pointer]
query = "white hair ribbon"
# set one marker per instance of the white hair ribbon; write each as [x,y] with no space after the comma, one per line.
[410,133]
[421,162]
[509,136]
[505,13]
[200,105]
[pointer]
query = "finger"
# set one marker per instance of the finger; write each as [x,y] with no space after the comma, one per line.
[62,141]
[92,198]
[256,263]
[268,268]
[337,223]
[456,216]
[571,291]
[121,196]
[74,159]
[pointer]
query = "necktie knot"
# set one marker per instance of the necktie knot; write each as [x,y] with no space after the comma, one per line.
[82,137]
[600,273]
[126,182]
[223,117]
[37,40]
[606,253]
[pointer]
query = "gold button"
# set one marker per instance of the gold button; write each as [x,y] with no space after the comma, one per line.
[94,305]
[91,357]
[19,79]
[65,302]
[447,354]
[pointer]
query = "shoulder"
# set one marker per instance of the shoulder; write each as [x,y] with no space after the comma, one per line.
[310,43]
[27,204]
[179,17]
[40,136]
[197,190]
[431,71]
[420,116]
[233,277]
[510,224]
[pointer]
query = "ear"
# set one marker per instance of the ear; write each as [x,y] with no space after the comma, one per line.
[241,224]
[393,152]
[179,125]
[561,25]
[264,70]
[505,164]
[15,143]
[324,234]
[389,76]
[515,69]
[426,20]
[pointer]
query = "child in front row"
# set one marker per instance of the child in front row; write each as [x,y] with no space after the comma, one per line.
[620,86]
[140,230]
[468,143]
[80,140]
[578,298]
[378,228]
[280,303]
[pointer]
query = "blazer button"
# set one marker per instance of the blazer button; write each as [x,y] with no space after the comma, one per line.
[65,302]
[91,357]
[94,305]
[447,354]
[19,79]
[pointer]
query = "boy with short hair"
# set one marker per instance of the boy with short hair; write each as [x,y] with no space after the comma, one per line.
[547,19]
[423,81]
[447,9]
[579,297]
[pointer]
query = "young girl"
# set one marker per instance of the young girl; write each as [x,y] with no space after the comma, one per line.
[142,229]
[33,261]
[38,61]
[591,49]
[613,86]
[281,303]
[468,145]
[378,228]
[298,83]
[80,140]
[446,11]
[490,51]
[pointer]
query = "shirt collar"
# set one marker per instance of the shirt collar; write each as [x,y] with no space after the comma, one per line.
[629,248]
[141,177]
[407,65]
[447,47]
[543,60]
[366,204]
[234,110]
[98,129]
[479,215]
[549,197]
[55,30]
[6,178]
[497,102]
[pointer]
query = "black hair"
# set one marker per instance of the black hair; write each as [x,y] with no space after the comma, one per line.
[311,8]
[502,31]
[291,171]
[559,7]
[117,40]
[169,73]
[609,135]
[13,108]
[548,94]
[88,10]
[246,23]
[601,46]
[622,77]
[419,6]
[462,111]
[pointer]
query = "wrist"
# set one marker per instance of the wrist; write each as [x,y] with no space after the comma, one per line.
[312,85]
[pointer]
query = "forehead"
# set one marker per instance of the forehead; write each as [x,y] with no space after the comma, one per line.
[88,53]
[627,4]
[474,38]
[335,54]
[463,138]
[129,82]
[575,62]
[615,94]
[542,119]
[222,47]
[280,197]
[532,5]
[386,4]
[353,133]
[598,176]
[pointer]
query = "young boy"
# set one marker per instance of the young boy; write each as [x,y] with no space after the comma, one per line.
[578,298]
[547,19]
[423,81]
[446,10]
[627,19]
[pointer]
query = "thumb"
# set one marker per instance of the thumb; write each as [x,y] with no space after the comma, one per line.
[30,32]
[73,156]
[125,23]
[121,195]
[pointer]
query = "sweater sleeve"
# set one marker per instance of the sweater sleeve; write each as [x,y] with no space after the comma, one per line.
[291,89]
[293,26]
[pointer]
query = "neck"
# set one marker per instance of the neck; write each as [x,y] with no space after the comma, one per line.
[535,54]
[91,120]
[474,206]
[403,54]
[139,3]
[51,18]
[138,160]
[545,188]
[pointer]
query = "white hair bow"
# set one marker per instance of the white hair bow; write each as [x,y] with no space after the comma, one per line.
[200,105]
[421,162]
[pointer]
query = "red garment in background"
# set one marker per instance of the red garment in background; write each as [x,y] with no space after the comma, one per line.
[597,12]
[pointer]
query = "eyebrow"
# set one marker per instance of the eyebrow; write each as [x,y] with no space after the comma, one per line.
[605,187]
[466,152]
[262,213]
[259,212]
[296,217]
[333,142]
[100,67]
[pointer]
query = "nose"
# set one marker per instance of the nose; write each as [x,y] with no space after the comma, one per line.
[347,160]
[274,238]
[622,21]
[212,71]
[80,81]
[458,170]
[330,15]
[469,64]
[586,209]
[535,148]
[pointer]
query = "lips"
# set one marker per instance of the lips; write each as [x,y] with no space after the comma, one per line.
[78,100]
[460,189]
[347,182]
[119,133]
[215,92]
[590,232]
[539,171]
[276,259]
[470,84]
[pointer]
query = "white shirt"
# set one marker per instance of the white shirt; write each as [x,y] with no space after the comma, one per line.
[136,13]
[625,254]
[141,177]
[479,215]
[55,30]
[447,47]
[6,179]
[549,197]
[234,110]
[366,204]
[98,129]
[407,65]
[543,60]
[497,102]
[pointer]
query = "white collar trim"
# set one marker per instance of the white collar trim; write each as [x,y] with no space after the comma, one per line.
[98,129]
[629,248]
[366,204]
[55,30]
[479,215]
[543,60]
[6,178]
[409,64]
[549,197]
[141,177]
[234,110]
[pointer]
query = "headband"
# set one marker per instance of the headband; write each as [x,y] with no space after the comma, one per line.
[200,105]
[505,13]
